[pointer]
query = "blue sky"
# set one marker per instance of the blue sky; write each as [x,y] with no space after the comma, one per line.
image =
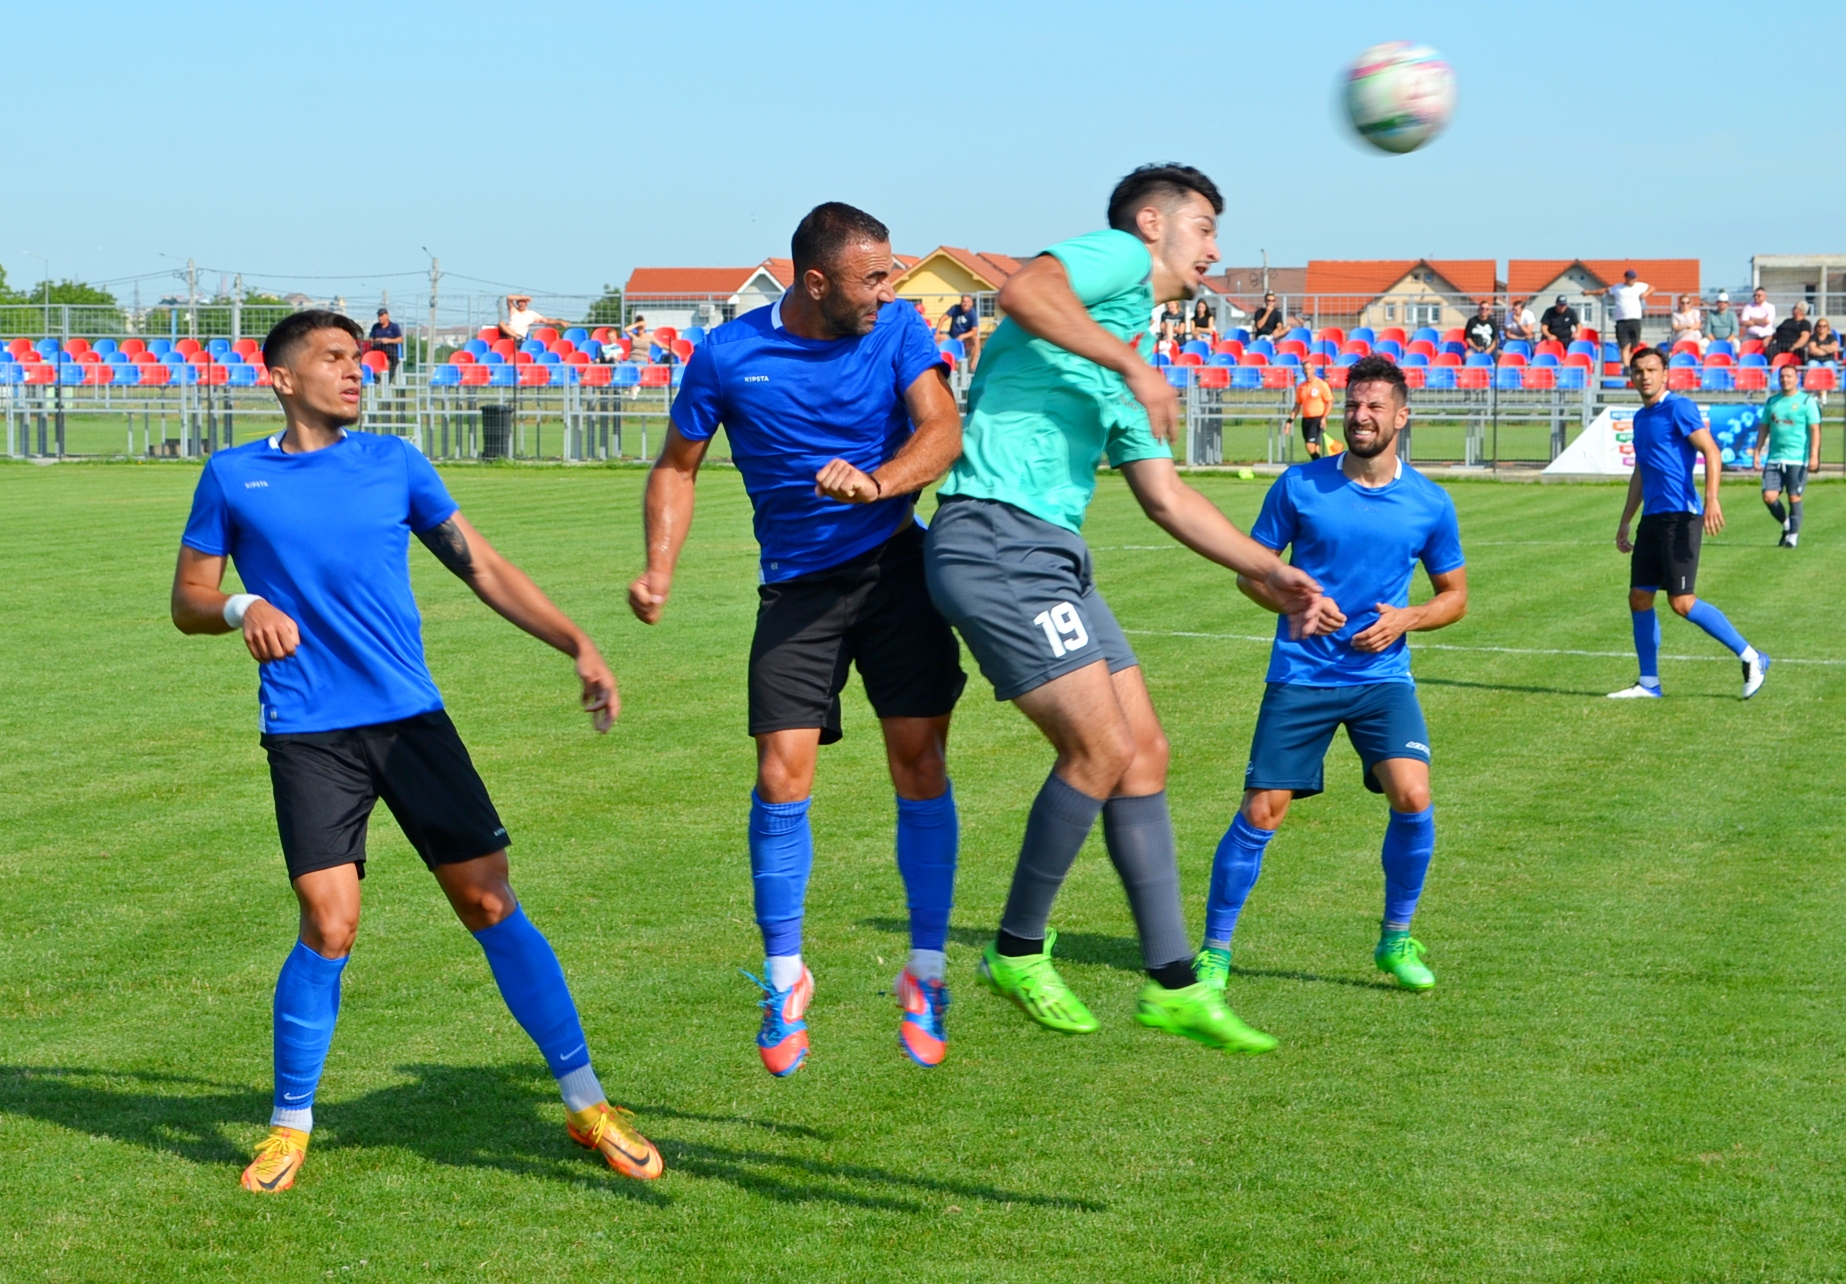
[557,146]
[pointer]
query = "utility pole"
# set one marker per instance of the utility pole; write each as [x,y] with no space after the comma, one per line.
[435,275]
[192,299]
[237,308]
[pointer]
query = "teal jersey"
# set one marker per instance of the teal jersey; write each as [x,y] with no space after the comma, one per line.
[1040,419]
[1789,415]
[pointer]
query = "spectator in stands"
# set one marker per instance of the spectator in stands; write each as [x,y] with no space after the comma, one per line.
[520,318]
[1758,317]
[963,321]
[1720,321]
[1172,334]
[1689,321]
[1627,305]
[1203,325]
[1482,332]
[636,331]
[1171,315]
[1521,322]
[1825,345]
[1268,318]
[1560,321]
[388,337]
[1792,335]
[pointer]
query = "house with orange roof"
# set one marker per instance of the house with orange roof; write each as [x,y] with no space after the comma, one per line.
[681,297]
[1395,292]
[1542,280]
[935,281]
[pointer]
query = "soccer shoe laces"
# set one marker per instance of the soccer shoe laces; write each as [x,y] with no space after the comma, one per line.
[274,1148]
[769,991]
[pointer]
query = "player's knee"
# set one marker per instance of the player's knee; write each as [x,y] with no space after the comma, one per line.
[1641,600]
[779,780]
[481,905]
[1413,797]
[330,932]
[1682,604]
[1266,808]
[1152,752]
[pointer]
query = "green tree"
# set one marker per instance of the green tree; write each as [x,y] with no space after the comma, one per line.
[7,295]
[606,310]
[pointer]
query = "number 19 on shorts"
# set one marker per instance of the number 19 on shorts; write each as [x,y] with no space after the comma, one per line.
[1063,629]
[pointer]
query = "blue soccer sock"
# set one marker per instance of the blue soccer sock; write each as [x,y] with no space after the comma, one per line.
[307,1004]
[1647,645]
[1711,619]
[1234,868]
[1409,842]
[530,980]
[927,835]
[781,858]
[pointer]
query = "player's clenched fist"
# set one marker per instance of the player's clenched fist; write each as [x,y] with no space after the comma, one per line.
[647,601]
[269,633]
[840,480]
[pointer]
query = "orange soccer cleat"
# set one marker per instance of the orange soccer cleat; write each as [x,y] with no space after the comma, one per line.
[278,1161]
[606,1128]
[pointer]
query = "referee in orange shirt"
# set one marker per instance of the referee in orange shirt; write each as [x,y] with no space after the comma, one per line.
[1313,398]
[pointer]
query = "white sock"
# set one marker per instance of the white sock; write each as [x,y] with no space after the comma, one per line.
[928,965]
[300,1120]
[784,970]
[1748,655]
[1650,683]
[580,1089]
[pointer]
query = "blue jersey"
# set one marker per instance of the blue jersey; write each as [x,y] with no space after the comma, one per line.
[1664,456]
[324,537]
[1361,543]
[791,406]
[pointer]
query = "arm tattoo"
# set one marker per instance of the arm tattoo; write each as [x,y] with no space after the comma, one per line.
[450,547]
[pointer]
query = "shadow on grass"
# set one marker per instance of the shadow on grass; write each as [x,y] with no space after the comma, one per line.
[1558,691]
[1314,977]
[1121,952]
[471,1117]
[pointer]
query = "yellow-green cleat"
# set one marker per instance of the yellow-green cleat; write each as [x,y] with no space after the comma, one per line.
[1197,1012]
[1212,966]
[1401,955]
[1035,988]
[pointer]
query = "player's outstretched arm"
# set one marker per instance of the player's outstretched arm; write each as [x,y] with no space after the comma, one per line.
[199,603]
[667,512]
[1448,605]
[934,444]
[1039,300]
[1195,521]
[511,592]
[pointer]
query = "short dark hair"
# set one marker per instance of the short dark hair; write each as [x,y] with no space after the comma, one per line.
[1640,352]
[296,326]
[1377,369]
[1164,182]
[829,229]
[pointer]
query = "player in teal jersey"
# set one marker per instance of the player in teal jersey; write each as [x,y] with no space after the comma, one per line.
[1787,445]
[1063,381]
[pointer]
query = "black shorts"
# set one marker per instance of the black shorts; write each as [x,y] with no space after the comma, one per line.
[1666,552]
[873,611]
[1628,333]
[327,782]
[1311,429]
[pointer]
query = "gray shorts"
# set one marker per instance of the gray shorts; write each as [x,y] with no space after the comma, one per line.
[1790,479]
[1019,591]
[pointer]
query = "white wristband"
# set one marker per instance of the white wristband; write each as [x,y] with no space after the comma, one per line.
[235,606]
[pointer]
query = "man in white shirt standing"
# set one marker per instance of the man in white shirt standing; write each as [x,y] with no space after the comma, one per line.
[1758,316]
[1627,304]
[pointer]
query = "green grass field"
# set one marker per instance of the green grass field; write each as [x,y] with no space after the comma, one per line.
[1632,1069]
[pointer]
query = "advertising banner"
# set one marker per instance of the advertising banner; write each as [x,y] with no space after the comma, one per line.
[1606,447]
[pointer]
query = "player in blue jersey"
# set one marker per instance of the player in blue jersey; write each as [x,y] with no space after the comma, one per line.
[1358,522]
[838,410]
[318,521]
[1669,432]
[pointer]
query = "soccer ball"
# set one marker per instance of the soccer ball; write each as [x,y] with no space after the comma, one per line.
[1399,95]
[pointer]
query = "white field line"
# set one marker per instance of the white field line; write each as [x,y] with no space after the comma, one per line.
[1497,650]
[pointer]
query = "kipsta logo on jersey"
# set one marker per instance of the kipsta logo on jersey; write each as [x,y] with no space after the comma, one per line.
[253,485]
[756,379]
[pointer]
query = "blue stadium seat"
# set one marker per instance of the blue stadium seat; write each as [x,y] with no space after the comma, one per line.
[182,374]
[1545,359]
[104,347]
[504,376]
[1584,346]
[1221,359]
[1721,346]
[1753,359]
[679,372]
[1391,346]
[12,372]
[1247,377]
[128,375]
[70,372]
[243,375]
[1363,332]
[1520,346]
[1161,359]
[1509,378]
[230,358]
[1573,378]
[1179,376]
[1681,359]
[366,376]
[118,358]
[1346,359]
[1286,359]
[627,375]
[1301,333]
[46,347]
[1240,334]
[576,334]
[476,348]
[1717,379]
[1611,352]
[1263,346]
[160,347]
[1441,378]
[654,353]
[954,347]
[1430,334]
[445,376]
[562,374]
[1413,359]
[693,334]
[492,359]
[1326,348]
[1198,347]
[1478,359]
[548,359]
[592,348]
[218,347]
[1459,349]
[532,347]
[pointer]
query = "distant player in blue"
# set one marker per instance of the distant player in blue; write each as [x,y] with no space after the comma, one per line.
[1669,432]
[1358,522]
[838,410]
[318,521]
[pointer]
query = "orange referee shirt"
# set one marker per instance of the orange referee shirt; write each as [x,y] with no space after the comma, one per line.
[1313,398]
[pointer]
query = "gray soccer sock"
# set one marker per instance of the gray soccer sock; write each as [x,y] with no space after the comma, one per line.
[1794,516]
[1777,511]
[1061,819]
[1139,832]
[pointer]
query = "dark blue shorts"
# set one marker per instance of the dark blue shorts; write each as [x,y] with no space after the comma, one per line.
[1296,724]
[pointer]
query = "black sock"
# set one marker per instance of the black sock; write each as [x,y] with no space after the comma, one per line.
[1777,511]
[1794,516]
[1176,975]
[1017,947]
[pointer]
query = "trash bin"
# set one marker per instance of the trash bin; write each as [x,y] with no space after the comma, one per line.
[496,432]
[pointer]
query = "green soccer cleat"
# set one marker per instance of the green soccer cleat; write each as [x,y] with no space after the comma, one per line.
[1401,954]
[1036,989]
[1213,967]
[1198,1013]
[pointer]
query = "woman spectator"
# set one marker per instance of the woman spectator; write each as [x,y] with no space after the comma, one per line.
[1204,326]
[1824,345]
[1689,322]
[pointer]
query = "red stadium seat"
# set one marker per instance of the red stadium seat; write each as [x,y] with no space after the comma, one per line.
[199,357]
[577,359]
[1228,348]
[461,357]
[476,376]
[134,346]
[378,361]
[1212,377]
[682,350]
[1278,376]
[1336,376]
[543,333]
[1538,377]
[143,358]
[1395,333]
[1580,359]
[489,334]
[1446,359]
[656,376]
[1512,359]
[521,358]
[594,376]
[1750,379]
[41,372]
[262,376]
[1422,347]
[533,375]
[563,347]
[665,335]
[88,357]
[1782,359]
[1751,347]
[1474,377]
[1590,334]
[1454,336]
[1820,379]
[19,347]
[1359,346]
[1549,347]
[1682,379]
[1293,347]
[600,334]
[1253,359]
[505,347]
[1414,376]
[154,374]
[1183,359]
[1332,334]
[1685,345]
[217,375]
[186,347]
[100,373]
[77,347]
[246,347]
[1719,359]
